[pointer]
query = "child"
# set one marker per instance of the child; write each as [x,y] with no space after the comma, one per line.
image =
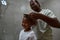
[27,33]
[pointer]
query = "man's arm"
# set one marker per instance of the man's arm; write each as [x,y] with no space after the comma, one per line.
[51,21]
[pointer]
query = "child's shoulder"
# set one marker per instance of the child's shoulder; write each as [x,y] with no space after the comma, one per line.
[32,32]
[21,31]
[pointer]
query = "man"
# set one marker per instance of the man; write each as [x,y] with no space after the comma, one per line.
[37,8]
[43,30]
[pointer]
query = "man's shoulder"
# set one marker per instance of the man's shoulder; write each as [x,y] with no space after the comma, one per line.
[47,10]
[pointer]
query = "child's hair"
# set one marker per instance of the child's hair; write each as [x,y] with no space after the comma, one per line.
[31,21]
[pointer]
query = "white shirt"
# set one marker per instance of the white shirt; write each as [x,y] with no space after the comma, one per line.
[27,35]
[43,24]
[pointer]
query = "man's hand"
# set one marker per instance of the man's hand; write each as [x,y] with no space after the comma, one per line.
[33,15]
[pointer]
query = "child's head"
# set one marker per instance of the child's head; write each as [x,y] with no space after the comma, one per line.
[27,22]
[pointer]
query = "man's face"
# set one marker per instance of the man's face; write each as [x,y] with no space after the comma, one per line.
[25,23]
[34,6]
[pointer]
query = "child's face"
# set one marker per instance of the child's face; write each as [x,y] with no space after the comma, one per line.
[26,24]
